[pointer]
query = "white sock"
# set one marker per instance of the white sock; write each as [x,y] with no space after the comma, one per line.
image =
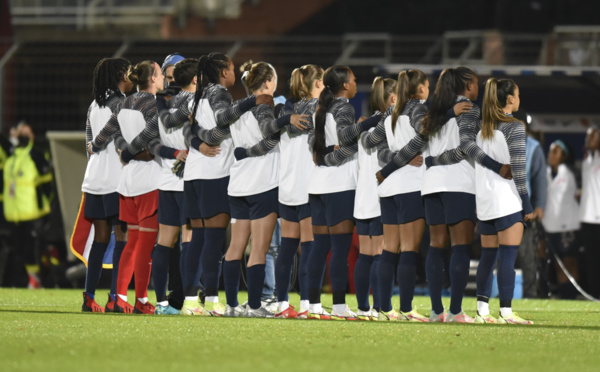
[483,308]
[124,298]
[213,299]
[339,308]
[191,298]
[315,308]
[304,304]
[164,303]
[283,305]
[506,311]
[143,300]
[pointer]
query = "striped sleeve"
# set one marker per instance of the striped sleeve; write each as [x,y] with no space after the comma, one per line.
[176,118]
[88,131]
[378,136]
[515,139]
[347,132]
[264,146]
[226,112]
[304,108]
[337,157]
[268,124]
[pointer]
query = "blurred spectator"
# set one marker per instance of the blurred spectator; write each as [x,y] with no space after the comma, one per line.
[537,186]
[561,218]
[590,210]
[27,189]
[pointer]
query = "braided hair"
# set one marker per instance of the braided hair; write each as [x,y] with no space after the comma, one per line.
[108,73]
[209,69]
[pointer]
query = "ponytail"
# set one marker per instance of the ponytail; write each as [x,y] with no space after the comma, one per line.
[408,84]
[333,79]
[208,71]
[303,81]
[494,101]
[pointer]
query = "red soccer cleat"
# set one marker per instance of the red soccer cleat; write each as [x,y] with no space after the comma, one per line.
[110,305]
[122,306]
[141,308]
[90,305]
[288,313]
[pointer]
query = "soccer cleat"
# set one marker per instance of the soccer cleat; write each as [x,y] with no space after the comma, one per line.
[323,315]
[213,309]
[191,307]
[122,307]
[234,312]
[270,304]
[438,318]
[90,305]
[261,312]
[166,310]
[346,315]
[374,314]
[363,315]
[513,318]
[303,313]
[110,305]
[289,313]
[485,319]
[459,318]
[141,308]
[412,316]
[390,316]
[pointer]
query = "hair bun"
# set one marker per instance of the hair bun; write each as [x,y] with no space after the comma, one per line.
[247,66]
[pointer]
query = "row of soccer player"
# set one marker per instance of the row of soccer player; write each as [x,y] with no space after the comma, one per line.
[308,161]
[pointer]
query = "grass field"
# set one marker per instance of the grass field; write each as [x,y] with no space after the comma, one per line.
[45,330]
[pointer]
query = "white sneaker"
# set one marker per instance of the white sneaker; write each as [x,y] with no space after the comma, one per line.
[234,312]
[459,318]
[347,314]
[261,312]
[437,318]
[374,314]
[363,315]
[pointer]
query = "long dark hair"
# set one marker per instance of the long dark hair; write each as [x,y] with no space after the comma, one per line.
[452,82]
[408,83]
[209,69]
[333,79]
[108,73]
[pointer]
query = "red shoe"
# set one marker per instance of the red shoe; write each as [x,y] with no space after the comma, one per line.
[90,305]
[288,313]
[141,308]
[110,305]
[122,306]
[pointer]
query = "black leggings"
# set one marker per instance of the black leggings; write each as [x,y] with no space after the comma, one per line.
[590,236]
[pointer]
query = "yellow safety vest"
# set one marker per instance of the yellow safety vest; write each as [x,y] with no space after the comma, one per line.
[21,179]
[3,157]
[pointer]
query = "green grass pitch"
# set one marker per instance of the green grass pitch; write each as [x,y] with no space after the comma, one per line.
[44,330]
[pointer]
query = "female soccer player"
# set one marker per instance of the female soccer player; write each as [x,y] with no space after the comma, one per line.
[207,178]
[101,178]
[332,189]
[448,187]
[366,208]
[502,204]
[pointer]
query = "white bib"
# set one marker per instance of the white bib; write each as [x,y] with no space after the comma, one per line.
[326,180]
[170,137]
[137,177]
[366,201]
[562,211]
[296,168]
[495,196]
[590,196]
[103,169]
[252,175]
[447,178]
[200,167]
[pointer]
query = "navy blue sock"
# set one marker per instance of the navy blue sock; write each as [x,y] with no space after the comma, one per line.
[338,266]
[507,255]
[459,276]
[214,239]
[485,273]
[375,287]
[160,271]
[283,267]
[256,278]
[182,262]
[316,266]
[119,246]
[386,278]
[94,267]
[192,262]
[434,269]
[303,269]
[407,278]
[362,276]
[231,280]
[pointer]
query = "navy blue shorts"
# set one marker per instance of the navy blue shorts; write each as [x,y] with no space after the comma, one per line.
[492,227]
[449,208]
[369,227]
[170,208]
[294,213]
[402,208]
[206,198]
[102,207]
[254,207]
[331,209]
[565,244]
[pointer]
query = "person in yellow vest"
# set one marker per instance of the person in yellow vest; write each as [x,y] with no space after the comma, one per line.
[27,189]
